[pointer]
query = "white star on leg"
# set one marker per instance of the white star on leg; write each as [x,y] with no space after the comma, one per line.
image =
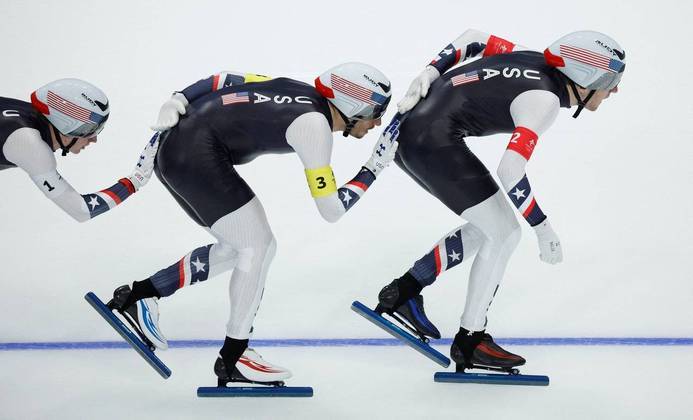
[453,235]
[199,265]
[94,202]
[347,197]
[518,193]
[454,256]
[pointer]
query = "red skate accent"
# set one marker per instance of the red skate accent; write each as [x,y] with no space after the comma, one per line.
[488,350]
[257,366]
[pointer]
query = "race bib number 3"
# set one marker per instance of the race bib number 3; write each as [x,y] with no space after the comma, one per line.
[321,181]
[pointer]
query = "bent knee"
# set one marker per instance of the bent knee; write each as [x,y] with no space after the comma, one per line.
[258,252]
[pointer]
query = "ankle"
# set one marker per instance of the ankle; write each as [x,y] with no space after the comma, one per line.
[141,290]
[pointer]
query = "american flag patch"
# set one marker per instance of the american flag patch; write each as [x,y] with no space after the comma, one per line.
[72,110]
[235,98]
[593,59]
[355,91]
[462,79]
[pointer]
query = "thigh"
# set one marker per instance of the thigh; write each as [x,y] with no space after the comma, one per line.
[448,169]
[199,174]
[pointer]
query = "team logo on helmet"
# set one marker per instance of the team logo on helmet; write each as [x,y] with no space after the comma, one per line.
[103,107]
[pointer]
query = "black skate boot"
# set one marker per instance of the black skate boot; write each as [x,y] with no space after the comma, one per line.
[141,314]
[413,312]
[476,350]
[397,293]
[402,297]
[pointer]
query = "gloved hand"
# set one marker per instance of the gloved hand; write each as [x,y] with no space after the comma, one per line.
[418,89]
[145,165]
[170,112]
[385,149]
[550,250]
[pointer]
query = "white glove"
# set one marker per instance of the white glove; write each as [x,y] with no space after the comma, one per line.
[145,165]
[550,250]
[170,111]
[385,149]
[418,89]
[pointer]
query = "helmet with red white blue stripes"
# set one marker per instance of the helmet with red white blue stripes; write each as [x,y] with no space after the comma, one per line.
[591,59]
[74,107]
[358,91]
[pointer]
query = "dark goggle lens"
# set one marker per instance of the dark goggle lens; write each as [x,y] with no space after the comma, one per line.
[88,129]
[377,112]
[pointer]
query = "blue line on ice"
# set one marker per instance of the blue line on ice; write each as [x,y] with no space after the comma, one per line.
[334,342]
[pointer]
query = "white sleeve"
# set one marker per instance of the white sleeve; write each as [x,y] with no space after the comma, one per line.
[26,149]
[535,110]
[311,137]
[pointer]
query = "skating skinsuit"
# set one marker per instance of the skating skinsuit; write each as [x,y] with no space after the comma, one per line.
[231,120]
[514,93]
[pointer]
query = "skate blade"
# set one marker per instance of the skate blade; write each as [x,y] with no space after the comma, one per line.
[491,378]
[400,334]
[254,391]
[131,338]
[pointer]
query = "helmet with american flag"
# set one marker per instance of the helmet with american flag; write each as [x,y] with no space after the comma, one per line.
[74,107]
[591,59]
[358,91]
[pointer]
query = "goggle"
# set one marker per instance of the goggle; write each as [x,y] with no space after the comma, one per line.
[89,129]
[377,111]
[607,81]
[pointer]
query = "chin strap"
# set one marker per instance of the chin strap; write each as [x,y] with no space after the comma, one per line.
[349,123]
[581,102]
[65,149]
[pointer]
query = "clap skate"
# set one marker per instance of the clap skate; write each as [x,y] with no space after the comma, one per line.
[477,350]
[142,315]
[411,315]
[252,369]
[401,301]
[143,318]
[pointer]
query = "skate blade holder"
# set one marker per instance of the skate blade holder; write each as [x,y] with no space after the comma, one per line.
[131,338]
[254,391]
[400,334]
[491,378]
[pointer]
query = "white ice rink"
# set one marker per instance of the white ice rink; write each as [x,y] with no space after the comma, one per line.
[615,184]
[587,382]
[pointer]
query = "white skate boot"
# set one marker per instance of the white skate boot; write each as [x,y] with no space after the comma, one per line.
[251,368]
[143,316]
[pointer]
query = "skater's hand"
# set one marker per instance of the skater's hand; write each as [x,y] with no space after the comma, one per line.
[145,165]
[418,89]
[385,149]
[550,250]
[170,112]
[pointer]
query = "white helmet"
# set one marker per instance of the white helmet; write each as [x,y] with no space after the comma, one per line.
[74,107]
[591,59]
[357,90]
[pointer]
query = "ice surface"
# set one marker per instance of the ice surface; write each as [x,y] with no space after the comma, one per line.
[594,382]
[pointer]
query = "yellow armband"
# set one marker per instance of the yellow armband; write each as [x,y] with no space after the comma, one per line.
[254,78]
[321,181]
